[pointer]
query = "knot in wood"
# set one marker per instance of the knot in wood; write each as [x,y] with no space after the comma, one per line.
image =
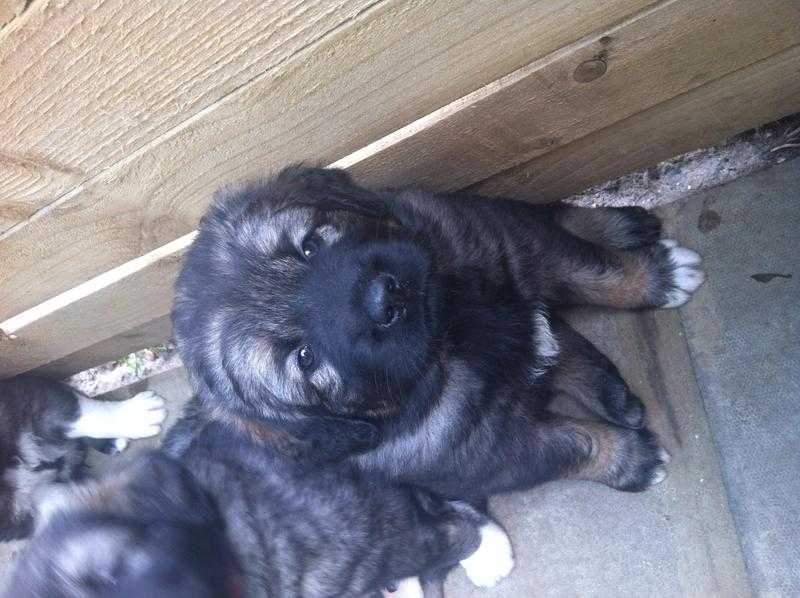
[590,70]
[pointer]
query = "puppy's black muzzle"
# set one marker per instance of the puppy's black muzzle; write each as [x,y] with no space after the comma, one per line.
[385,300]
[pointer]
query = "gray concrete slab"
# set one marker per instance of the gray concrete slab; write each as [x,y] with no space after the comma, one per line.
[743,331]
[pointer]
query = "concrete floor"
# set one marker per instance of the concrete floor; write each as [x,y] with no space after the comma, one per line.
[720,378]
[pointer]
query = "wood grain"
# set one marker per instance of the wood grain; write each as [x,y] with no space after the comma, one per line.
[120,312]
[602,79]
[87,82]
[739,101]
[761,93]
[379,71]
[10,10]
[145,335]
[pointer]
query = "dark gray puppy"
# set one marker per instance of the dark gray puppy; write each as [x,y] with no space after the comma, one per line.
[413,332]
[45,427]
[248,521]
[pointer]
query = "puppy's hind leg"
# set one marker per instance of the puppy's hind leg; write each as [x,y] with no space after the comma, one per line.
[585,375]
[622,458]
[138,417]
[613,228]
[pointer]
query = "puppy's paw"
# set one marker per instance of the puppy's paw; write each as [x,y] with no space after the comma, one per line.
[684,275]
[632,227]
[137,417]
[493,560]
[621,406]
[641,462]
[140,416]
[410,587]
[120,444]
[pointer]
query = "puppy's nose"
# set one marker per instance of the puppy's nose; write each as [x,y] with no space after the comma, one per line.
[385,300]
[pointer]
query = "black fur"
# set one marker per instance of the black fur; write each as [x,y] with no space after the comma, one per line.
[147,530]
[34,416]
[453,393]
[247,521]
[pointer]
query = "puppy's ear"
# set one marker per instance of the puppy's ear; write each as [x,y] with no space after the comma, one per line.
[313,178]
[331,438]
[332,189]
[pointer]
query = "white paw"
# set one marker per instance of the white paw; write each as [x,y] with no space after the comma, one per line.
[493,560]
[120,444]
[406,588]
[141,416]
[659,475]
[138,417]
[686,274]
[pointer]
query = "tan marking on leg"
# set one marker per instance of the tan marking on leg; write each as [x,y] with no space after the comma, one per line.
[624,284]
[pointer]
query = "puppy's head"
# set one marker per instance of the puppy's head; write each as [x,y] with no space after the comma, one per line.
[147,530]
[306,300]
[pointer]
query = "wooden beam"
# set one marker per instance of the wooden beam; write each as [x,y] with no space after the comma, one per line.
[10,10]
[739,101]
[374,73]
[602,79]
[113,317]
[133,339]
[86,83]
[760,93]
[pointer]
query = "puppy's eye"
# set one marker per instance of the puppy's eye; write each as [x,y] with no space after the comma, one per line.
[310,246]
[305,357]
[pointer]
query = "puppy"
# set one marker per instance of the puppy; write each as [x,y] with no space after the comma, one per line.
[414,333]
[234,516]
[45,427]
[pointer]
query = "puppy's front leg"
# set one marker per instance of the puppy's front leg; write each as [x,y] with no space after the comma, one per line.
[613,274]
[587,376]
[138,417]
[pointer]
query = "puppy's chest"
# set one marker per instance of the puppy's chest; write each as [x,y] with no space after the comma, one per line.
[421,447]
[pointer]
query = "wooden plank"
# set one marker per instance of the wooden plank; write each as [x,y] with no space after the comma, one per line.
[761,93]
[10,10]
[601,79]
[139,337]
[741,100]
[384,69]
[137,304]
[85,83]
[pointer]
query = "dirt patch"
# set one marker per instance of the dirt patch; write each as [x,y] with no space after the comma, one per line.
[702,169]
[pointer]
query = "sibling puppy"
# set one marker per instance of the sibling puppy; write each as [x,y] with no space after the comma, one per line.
[247,521]
[45,427]
[144,530]
[413,332]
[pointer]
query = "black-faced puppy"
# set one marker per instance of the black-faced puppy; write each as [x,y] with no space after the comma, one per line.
[414,331]
[45,427]
[235,518]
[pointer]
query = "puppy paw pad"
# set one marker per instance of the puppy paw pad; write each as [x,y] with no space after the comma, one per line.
[493,560]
